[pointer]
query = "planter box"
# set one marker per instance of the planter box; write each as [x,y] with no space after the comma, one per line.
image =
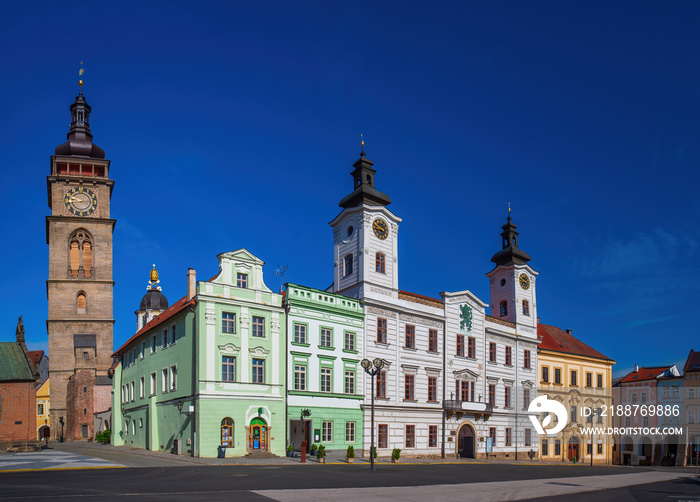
[321,460]
[349,460]
[394,460]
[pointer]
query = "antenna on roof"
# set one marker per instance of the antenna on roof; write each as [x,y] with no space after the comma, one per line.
[280,270]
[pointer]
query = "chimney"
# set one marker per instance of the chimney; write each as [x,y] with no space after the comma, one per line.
[568,331]
[191,283]
[636,368]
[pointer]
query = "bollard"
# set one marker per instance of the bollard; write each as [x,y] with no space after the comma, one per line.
[303,452]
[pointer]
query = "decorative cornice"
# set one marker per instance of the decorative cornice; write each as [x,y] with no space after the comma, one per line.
[419,320]
[258,351]
[229,347]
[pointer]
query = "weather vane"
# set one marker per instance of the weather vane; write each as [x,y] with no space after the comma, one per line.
[81,72]
[362,143]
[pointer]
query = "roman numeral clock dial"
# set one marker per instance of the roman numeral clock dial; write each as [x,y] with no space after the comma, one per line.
[80,201]
[380,228]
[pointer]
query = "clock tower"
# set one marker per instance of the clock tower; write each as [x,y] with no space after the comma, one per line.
[80,284]
[512,283]
[365,238]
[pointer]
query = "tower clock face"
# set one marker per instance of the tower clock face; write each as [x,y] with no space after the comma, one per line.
[524,281]
[381,229]
[80,201]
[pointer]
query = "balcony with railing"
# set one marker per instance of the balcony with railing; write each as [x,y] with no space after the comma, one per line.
[459,408]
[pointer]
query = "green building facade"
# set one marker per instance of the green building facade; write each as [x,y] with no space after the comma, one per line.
[324,376]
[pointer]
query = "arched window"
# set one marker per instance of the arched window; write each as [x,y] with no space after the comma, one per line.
[227,432]
[504,308]
[80,255]
[348,265]
[81,303]
[379,263]
[526,308]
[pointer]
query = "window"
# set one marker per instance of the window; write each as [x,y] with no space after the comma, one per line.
[227,432]
[299,377]
[644,397]
[154,344]
[381,384]
[545,448]
[492,394]
[432,436]
[258,371]
[349,432]
[143,350]
[164,380]
[80,255]
[460,345]
[299,333]
[545,374]
[504,308]
[258,326]
[526,308]
[471,347]
[131,391]
[408,387]
[599,412]
[526,398]
[492,435]
[589,448]
[634,398]
[557,375]
[600,381]
[492,352]
[528,437]
[464,391]
[573,417]
[432,340]
[173,334]
[327,432]
[410,336]
[410,436]
[573,378]
[507,396]
[326,375]
[509,356]
[40,409]
[381,330]
[85,429]
[228,369]
[383,436]
[164,338]
[173,377]
[379,263]
[347,270]
[326,337]
[557,447]
[228,322]
[242,280]
[349,382]
[142,387]
[600,449]
[471,384]
[526,359]
[349,340]
[509,437]
[81,303]
[432,389]
[153,383]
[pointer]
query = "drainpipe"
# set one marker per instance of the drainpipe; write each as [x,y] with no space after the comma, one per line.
[444,382]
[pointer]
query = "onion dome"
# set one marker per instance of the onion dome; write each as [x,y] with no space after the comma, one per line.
[510,254]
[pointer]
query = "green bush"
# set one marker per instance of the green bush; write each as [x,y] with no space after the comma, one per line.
[321,452]
[396,453]
[351,452]
[314,447]
[104,437]
[290,447]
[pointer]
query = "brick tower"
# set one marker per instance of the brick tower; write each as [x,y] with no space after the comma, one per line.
[79,289]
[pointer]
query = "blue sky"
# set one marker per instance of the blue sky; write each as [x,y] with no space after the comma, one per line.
[235,124]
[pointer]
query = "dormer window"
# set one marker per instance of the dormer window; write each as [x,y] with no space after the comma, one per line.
[242,280]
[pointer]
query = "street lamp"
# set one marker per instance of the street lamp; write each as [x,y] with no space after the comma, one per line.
[372,372]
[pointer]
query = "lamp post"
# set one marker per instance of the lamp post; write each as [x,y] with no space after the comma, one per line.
[372,372]
[60,421]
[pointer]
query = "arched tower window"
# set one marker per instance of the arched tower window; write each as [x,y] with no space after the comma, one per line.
[504,308]
[80,255]
[227,432]
[526,308]
[81,303]
[348,265]
[380,262]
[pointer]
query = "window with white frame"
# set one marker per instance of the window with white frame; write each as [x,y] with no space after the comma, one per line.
[299,333]
[154,344]
[327,432]
[349,340]
[131,391]
[349,382]
[349,432]
[228,322]
[173,334]
[242,280]
[143,349]
[326,337]
[258,326]
[258,371]
[164,380]
[299,377]
[173,377]
[153,383]
[326,378]
[164,338]
[142,387]
[228,368]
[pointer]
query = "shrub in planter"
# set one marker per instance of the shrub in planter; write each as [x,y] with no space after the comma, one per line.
[290,450]
[321,454]
[350,454]
[395,455]
[314,449]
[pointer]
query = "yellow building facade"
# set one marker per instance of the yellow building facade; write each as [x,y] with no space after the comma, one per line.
[42,410]
[580,378]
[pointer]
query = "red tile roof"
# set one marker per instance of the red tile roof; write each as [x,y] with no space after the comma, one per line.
[498,320]
[36,356]
[693,362]
[558,340]
[424,300]
[645,373]
[174,309]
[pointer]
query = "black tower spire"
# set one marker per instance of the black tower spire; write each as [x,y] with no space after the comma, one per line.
[79,138]
[510,253]
[364,191]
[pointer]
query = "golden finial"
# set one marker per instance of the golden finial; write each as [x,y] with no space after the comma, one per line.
[362,143]
[154,274]
[509,211]
[81,72]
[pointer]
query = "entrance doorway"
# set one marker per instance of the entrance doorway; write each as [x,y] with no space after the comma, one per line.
[573,449]
[258,434]
[299,431]
[465,441]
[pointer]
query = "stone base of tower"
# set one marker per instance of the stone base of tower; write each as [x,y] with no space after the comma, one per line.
[80,404]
